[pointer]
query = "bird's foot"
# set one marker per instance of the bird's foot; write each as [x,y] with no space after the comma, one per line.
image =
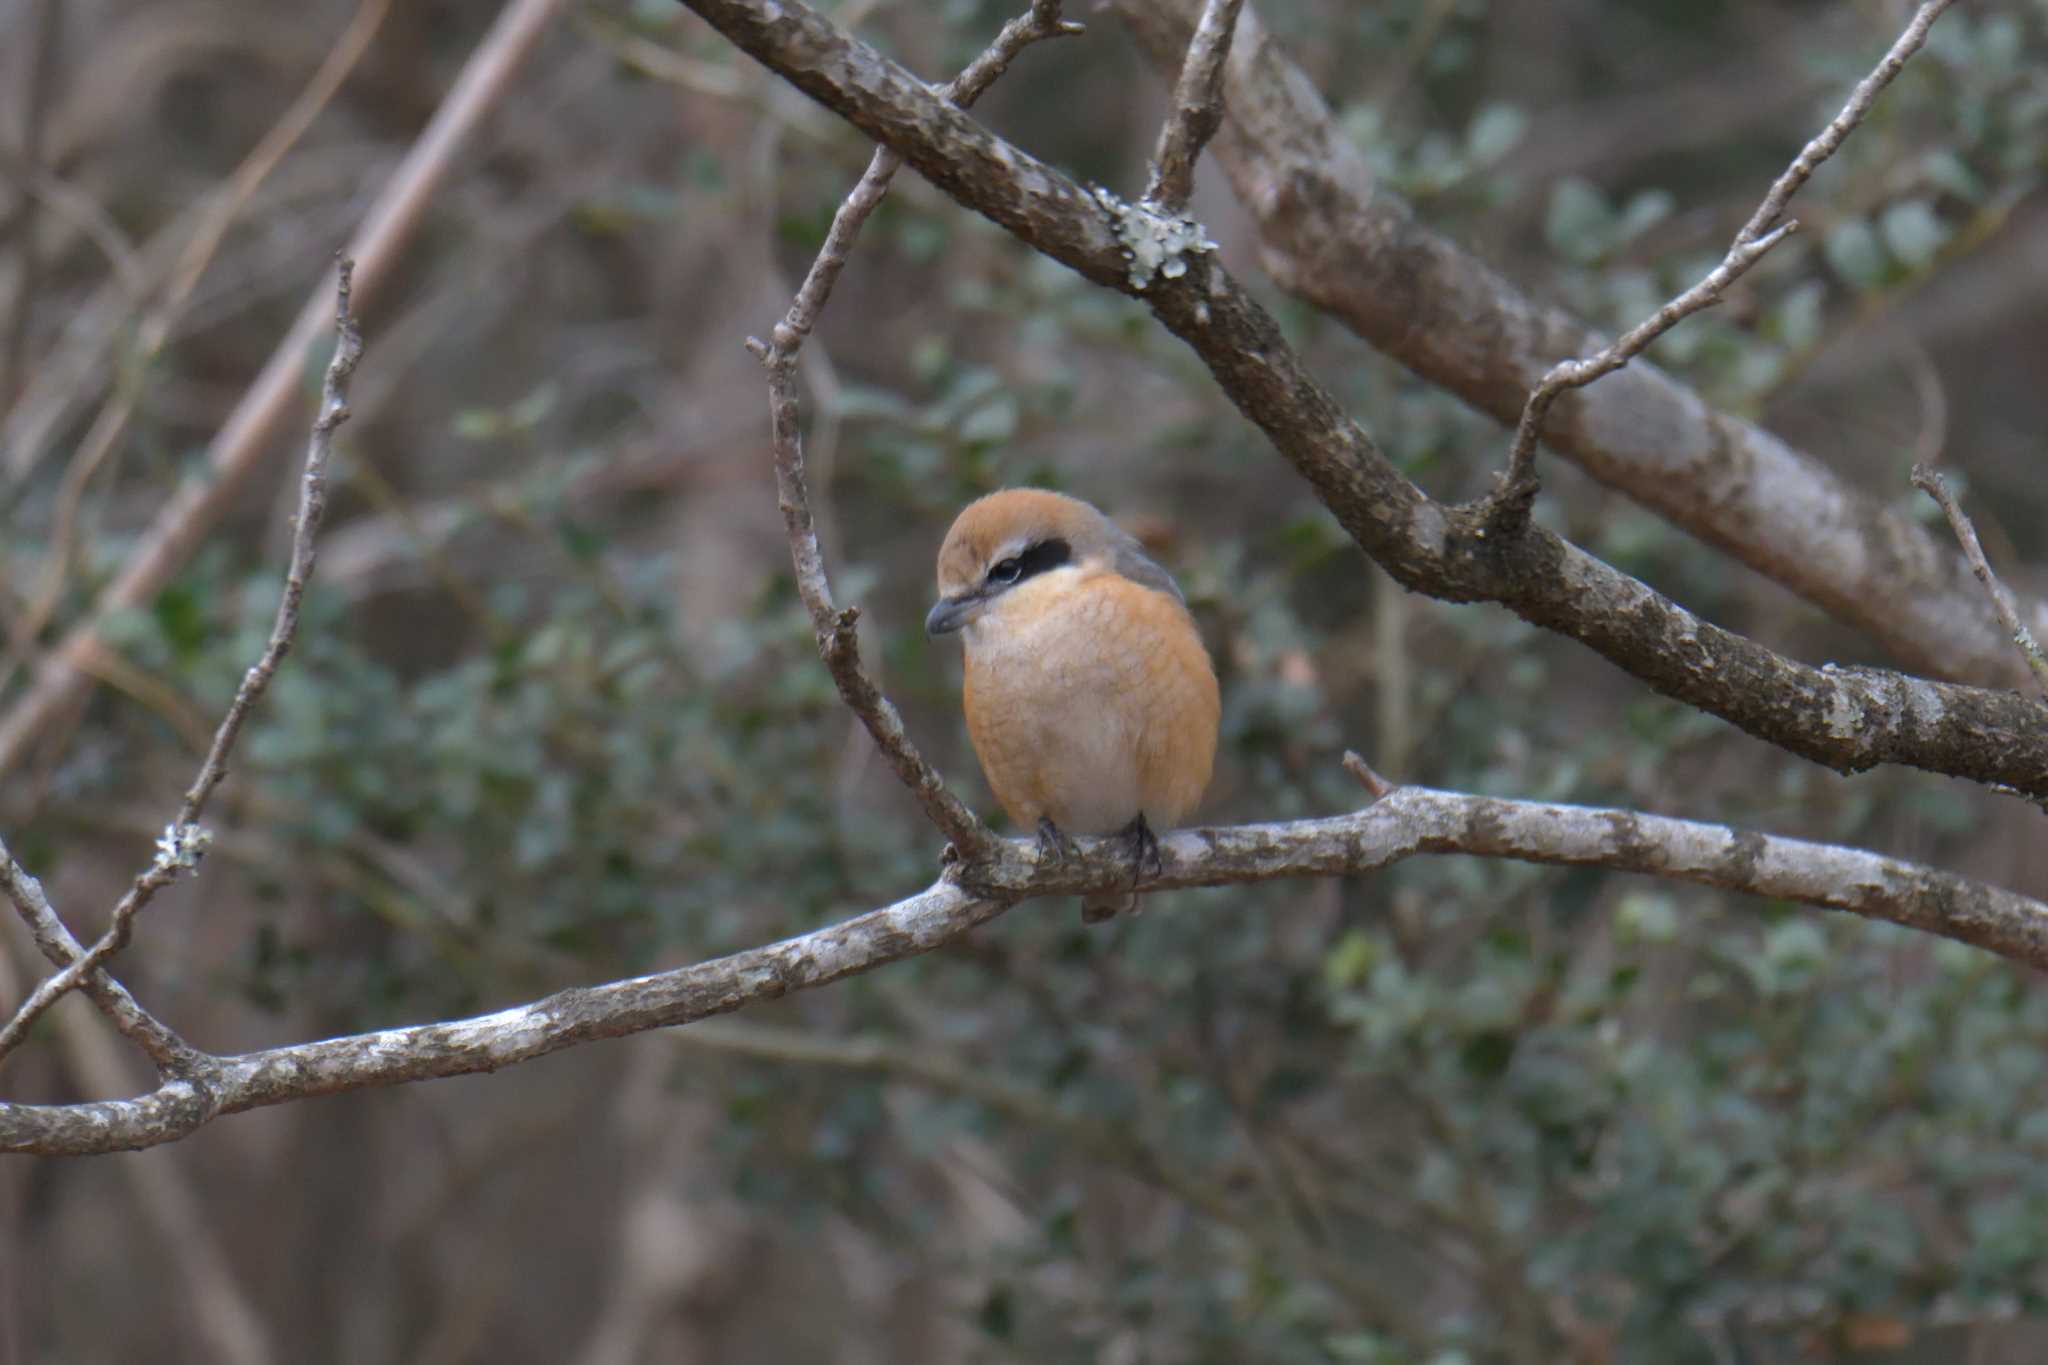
[1145,861]
[1053,843]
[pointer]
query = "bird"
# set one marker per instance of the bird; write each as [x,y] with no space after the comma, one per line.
[1090,698]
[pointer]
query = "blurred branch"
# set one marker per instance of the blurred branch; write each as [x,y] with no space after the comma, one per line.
[22,227]
[837,630]
[1936,487]
[244,440]
[1408,822]
[184,841]
[1333,235]
[1758,236]
[182,1219]
[1114,1143]
[111,423]
[1848,719]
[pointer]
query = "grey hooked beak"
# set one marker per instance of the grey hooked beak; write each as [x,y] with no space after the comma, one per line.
[948,614]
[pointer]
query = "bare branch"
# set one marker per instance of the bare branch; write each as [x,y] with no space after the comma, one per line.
[1333,234]
[1756,238]
[490,1042]
[1197,108]
[172,1055]
[837,632]
[1407,822]
[63,677]
[1848,719]
[184,841]
[1934,486]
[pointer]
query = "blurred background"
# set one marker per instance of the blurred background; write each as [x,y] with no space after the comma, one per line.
[555,716]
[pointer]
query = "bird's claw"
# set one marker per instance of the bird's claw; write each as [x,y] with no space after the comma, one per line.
[1145,860]
[1053,843]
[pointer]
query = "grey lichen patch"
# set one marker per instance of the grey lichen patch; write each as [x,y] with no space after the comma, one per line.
[180,847]
[1842,718]
[1157,245]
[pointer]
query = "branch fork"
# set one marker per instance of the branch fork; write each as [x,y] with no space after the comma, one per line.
[1510,503]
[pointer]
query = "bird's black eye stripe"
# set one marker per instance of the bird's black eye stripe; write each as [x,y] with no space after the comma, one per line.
[1046,554]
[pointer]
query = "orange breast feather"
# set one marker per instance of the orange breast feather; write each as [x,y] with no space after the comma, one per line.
[1089,701]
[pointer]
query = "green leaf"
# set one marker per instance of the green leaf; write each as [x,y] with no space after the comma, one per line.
[1913,232]
[1853,250]
[1577,222]
[1494,132]
[1644,210]
[1352,960]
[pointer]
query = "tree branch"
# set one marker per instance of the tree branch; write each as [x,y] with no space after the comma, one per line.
[172,1055]
[184,841]
[1333,236]
[1847,719]
[1758,236]
[1409,821]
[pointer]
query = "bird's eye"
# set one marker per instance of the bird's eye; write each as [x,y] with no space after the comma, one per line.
[1005,571]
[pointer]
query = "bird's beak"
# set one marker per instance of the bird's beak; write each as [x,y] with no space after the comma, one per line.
[948,614]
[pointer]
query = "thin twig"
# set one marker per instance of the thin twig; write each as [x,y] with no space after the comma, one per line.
[184,841]
[1934,486]
[172,1055]
[838,637]
[1756,238]
[1197,108]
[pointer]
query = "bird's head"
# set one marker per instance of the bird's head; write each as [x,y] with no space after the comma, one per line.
[1015,535]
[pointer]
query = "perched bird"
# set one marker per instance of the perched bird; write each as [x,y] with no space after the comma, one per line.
[1089,696]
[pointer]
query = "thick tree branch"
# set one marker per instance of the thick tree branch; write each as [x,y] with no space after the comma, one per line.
[1410,821]
[1757,237]
[837,631]
[184,840]
[1847,719]
[1332,235]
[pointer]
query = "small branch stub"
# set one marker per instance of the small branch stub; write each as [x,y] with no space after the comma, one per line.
[1934,486]
[1197,110]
